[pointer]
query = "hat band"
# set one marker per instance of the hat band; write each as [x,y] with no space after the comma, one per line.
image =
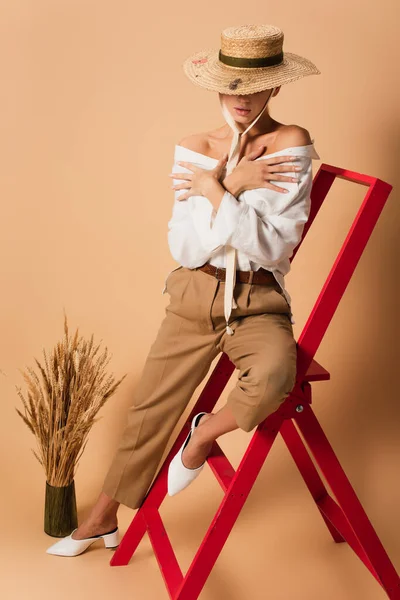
[264,61]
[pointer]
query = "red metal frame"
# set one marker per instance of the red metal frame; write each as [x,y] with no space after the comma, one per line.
[345,517]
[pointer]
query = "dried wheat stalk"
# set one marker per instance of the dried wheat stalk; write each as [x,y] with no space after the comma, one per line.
[61,406]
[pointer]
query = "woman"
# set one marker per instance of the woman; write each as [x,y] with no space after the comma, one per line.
[238,215]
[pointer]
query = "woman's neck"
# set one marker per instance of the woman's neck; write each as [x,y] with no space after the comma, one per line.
[265,125]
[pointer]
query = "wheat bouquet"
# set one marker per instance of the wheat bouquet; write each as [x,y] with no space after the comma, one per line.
[61,404]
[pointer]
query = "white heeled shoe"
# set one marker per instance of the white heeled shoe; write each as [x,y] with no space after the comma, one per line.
[70,547]
[180,476]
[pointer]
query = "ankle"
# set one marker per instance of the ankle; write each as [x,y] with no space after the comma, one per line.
[202,440]
[102,520]
[201,433]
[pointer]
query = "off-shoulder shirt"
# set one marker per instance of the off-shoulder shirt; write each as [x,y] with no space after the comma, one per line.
[263,225]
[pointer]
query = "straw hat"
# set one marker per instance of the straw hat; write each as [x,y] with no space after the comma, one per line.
[251,59]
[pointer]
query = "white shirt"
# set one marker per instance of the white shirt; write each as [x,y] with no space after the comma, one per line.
[264,225]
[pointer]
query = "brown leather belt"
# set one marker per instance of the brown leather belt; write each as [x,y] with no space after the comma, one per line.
[262,276]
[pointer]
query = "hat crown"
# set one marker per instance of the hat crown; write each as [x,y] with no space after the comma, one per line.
[252,41]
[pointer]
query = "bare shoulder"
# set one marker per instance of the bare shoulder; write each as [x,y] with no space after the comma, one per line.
[292,135]
[198,142]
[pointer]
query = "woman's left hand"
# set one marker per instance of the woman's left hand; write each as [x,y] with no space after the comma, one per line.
[198,183]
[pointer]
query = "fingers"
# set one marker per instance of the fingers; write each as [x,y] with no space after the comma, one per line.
[255,153]
[276,188]
[278,159]
[188,176]
[222,161]
[273,170]
[274,177]
[181,186]
[280,168]
[187,165]
[217,170]
[274,167]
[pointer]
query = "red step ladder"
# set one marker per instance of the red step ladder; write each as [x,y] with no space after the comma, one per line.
[344,516]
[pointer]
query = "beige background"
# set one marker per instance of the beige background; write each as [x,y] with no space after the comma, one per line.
[93,101]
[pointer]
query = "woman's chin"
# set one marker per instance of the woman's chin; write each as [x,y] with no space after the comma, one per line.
[242,119]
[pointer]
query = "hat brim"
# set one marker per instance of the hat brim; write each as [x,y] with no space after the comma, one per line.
[205,69]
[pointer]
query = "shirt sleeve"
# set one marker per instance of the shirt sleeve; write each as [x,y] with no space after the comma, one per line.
[270,232]
[191,238]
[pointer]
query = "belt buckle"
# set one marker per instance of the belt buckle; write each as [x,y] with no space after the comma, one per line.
[216,273]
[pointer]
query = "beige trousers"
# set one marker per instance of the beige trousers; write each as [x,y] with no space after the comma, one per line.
[190,337]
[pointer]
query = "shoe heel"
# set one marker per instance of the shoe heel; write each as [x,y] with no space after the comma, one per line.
[111,539]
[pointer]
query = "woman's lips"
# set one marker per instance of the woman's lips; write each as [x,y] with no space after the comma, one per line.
[242,111]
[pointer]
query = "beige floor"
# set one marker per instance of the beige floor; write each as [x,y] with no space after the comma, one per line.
[279,548]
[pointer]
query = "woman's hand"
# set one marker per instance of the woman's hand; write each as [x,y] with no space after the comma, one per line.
[200,181]
[249,173]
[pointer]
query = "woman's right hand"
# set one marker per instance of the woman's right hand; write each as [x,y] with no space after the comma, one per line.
[250,174]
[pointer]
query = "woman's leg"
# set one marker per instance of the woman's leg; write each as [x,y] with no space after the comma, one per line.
[177,362]
[211,426]
[102,518]
[264,350]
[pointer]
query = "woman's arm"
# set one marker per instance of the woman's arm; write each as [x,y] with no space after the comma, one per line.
[267,235]
[190,237]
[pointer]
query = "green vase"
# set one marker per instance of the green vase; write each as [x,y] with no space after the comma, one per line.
[60,514]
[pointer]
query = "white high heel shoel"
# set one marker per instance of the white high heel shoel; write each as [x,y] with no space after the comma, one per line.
[230,252]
